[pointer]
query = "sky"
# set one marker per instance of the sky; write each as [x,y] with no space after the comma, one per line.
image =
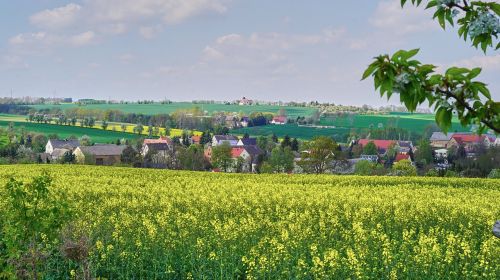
[182,50]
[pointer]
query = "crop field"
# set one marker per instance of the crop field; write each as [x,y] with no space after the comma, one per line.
[411,122]
[157,108]
[294,131]
[97,134]
[64,131]
[159,224]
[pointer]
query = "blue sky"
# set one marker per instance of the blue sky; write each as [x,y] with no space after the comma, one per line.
[217,49]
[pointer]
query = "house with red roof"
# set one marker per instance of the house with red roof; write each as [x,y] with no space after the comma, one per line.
[470,141]
[382,145]
[279,120]
[400,157]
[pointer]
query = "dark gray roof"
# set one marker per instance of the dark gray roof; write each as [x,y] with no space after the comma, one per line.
[225,137]
[103,149]
[66,144]
[249,141]
[439,136]
[253,150]
[157,146]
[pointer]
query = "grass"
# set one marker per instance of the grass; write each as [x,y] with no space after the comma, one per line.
[412,122]
[293,131]
[150,109]
[63,131]
[97,134]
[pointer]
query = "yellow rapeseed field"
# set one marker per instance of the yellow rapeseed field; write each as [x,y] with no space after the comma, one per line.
[158,224]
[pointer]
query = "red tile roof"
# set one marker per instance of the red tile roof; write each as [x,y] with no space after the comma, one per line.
[468,138]
[162,139]
[381,144]
[281,119]
[401,157]
[237,151]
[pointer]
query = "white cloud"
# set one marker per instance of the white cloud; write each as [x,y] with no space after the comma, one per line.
[170,11]
[113,28]
[126,58]
[13,62]
[82,39]
[58,17]
[390,17]
[149,32]
[485,62]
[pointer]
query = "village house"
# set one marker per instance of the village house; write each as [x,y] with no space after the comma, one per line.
[155,148]
[245,101]
[440,140]
[55,149]
[247,142]
[469,141]
[250,156]
[382,145]
[101,154]
[220,139]
[53,144]
[244,121]
[280,120]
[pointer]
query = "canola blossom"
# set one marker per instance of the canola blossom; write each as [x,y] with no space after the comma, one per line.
[160,224]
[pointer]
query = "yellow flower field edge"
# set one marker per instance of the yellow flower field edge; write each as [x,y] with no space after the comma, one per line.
[159,224]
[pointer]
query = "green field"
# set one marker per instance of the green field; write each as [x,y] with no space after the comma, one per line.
[150,109]
[411,122]
[63,131]
[293,131]
[161,224]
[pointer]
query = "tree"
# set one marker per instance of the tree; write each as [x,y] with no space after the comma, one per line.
[246,135]
[104,125]
[221,157]
[139,128]
[193,158]
[404,168]
[281,159]
[68,157]
[456,91]
[85,140]
[370,149]
[286,142]
[35,212]
[123,127]
[295,145]
[318,155]
[364,167]
[131,156]
[424,152]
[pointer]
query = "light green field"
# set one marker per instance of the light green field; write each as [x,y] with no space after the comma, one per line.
[150,109]
[412,122]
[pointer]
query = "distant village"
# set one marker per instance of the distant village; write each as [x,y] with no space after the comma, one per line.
[229,153]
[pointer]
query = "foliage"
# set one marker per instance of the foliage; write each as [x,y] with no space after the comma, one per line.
[494,174]
[364,167]
[404,168]
[370,149]
[193,158]
[221,157]
[424,153]
[318,155]
[281,159]
[33,213]
[164,224]
[455,91]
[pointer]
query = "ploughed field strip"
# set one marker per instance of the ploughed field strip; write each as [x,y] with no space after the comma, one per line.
[173,224]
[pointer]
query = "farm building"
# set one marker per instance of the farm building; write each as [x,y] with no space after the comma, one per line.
[279,120]
[440,140]
[53,144]
[102,154]
[220,139]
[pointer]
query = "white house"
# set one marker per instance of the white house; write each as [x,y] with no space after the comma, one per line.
[53,144]
[220,139]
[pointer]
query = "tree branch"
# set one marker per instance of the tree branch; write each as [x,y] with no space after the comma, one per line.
[466,105]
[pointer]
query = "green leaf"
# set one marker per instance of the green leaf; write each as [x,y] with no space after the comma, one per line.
[409,54]
[443,118]
[371,68]
[403,2]
[483,89]
[456,71]
[474,73]
[431,4]
[495,8]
